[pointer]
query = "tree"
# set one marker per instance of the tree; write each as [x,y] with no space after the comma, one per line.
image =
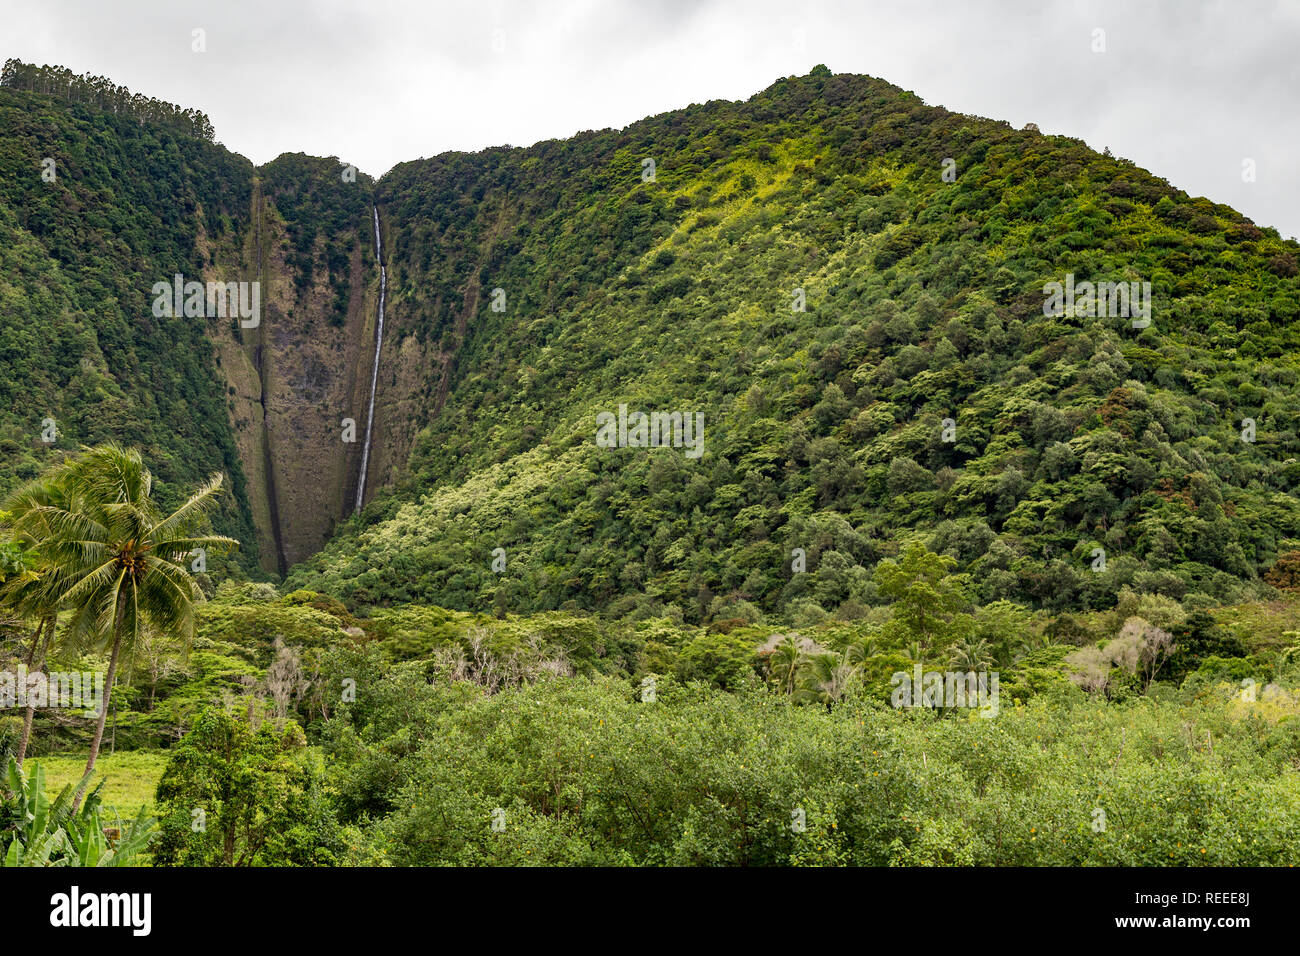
[235,795]
[905,475]
[12,555]
[927,600]
[1150,648]
[720,659]
[1285,572]
[1090,668]
[33,588]
[1197,638]
[119,566]
[1139,650]
[1006,628]
[783,664]
[971,654]
[828,678]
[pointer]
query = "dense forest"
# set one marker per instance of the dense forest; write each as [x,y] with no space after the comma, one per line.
[85,359]
[103,94]
[920,302]
[530,648]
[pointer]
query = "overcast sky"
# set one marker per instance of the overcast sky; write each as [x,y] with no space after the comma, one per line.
[1185,88]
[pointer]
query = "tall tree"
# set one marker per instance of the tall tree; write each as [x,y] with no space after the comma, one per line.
[35,590]
[927,599]
[120,565]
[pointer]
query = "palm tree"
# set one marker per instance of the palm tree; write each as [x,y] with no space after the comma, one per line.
[1034,641]
[784,662]
[34,592]
[828,678]
[119,566]
[972,655]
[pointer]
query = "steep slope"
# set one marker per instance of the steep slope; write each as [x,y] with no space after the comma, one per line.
[134,193]
[1085,454]
[83,238]
[845,286]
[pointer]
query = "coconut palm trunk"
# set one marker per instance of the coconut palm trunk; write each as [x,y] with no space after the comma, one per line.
[44,629]
[103,707]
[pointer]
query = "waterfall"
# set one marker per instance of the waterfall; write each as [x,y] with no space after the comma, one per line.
[374,374]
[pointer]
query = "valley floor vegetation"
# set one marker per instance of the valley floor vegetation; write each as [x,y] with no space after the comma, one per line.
[248,726]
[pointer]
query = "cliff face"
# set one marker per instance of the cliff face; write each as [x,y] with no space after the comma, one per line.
[290,379]
[299,383]
[122,204]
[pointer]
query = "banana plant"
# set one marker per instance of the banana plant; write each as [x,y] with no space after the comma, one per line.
[92,847]
[35,842]
[52,833]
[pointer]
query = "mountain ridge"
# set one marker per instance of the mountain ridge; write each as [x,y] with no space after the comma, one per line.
[917,289]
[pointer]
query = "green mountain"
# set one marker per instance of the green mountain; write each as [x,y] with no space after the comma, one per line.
[923,300]
[105,194]
[932,398]
[845,286]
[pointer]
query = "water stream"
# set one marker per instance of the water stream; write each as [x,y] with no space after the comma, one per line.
[374,375]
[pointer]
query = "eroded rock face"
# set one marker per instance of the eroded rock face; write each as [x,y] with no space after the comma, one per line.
[295,379]
[301,372]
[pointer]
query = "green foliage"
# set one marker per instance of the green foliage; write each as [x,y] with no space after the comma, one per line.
[96,90]
[927,601]
[1200,638]
[132,202]
[721,660]
[583,772]
[824,428]
[55,833]
[232,795]
[103,552]
[415,764]
[320,209]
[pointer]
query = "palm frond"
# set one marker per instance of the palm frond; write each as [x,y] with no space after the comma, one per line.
[178,548]
[194,510]
[111,474]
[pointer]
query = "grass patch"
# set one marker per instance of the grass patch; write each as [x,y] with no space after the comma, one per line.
[131,776]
